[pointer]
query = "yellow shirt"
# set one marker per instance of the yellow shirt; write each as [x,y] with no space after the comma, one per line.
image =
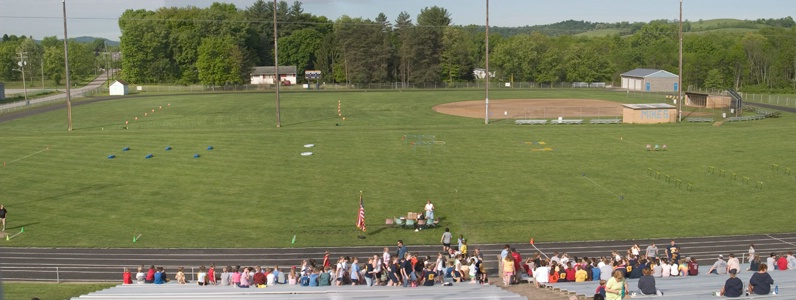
[581,275]
[508,266]
[464,249]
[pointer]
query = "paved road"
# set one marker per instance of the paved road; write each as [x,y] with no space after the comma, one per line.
[75,92]
[51,264]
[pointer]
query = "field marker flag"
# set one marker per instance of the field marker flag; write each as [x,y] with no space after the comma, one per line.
[361,216]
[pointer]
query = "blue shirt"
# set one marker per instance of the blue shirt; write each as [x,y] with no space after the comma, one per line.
[595,273]
[313,279]
[159,278]
[304,281]
[401,252]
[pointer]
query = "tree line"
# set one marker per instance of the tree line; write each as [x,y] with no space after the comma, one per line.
[47,57]
[220,44]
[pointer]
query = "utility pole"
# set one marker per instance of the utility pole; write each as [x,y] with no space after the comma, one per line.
[486,102]
[680,76]
[66,67]
[107,76]
[23,60]
[42,72]
[277,80]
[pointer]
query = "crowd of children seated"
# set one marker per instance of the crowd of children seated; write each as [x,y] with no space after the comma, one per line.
[400,268]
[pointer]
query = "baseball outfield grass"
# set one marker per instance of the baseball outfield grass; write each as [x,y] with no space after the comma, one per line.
[490,183]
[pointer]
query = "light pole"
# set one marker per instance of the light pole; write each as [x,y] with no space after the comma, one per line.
[66,68]
[277,80]
[486,102]
[680,76]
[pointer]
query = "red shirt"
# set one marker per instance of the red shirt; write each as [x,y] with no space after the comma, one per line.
[326,260]
[259,278]
[211,275]
[127,277]
[150,275]
[570,274]
[517,261]
[782,263]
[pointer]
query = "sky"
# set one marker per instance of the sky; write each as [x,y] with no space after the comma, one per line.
[40,18]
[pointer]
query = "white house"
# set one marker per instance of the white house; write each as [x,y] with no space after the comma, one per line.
[118,88]
[481,73]
[265,75]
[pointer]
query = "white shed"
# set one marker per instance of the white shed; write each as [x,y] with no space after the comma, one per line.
[118,88]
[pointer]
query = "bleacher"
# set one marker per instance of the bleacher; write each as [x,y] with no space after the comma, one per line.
[746,118]
[606,121]
[567,121]
[530,122]
[463,291]
[698,120]
[694,287]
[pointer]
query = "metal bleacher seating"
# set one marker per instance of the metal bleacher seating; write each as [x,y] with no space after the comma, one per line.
[693,287]
[606,121]
[530,122]
[697,120]
[567,121]
[463,291]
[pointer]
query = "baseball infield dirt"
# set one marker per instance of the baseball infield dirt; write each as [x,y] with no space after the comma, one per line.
[532,108]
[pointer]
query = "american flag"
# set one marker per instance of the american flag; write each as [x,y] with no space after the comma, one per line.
[361,217]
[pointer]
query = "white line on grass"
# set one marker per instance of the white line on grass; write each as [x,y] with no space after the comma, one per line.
[29,155]
[597,184]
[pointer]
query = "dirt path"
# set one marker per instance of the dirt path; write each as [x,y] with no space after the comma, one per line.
[532,108]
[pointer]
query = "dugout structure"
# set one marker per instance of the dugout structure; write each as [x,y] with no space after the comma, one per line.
[707,100]
[654,113]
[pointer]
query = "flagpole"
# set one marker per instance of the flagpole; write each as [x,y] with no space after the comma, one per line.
[361,216]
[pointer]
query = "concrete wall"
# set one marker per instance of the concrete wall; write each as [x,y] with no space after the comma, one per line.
[649,116]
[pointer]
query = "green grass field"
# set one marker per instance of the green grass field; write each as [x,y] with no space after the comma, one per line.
[47,291]
[256,190]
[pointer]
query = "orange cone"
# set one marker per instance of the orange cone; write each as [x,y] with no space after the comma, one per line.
[531,241]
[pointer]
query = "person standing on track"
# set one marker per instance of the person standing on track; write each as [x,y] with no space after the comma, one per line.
[652,251]
[446,240]
[3,213]
[673,252]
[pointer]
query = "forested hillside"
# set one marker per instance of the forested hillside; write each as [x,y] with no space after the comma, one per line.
[220,44]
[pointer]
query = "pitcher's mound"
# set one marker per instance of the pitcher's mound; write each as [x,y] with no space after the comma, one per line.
[532,108]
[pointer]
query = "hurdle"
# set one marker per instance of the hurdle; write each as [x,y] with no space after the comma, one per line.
[759,185]
[711,170]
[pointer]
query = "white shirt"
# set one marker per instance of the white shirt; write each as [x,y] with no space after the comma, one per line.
[429,207]
[270,279]
[675,270]
[541,274]
[733,263]
[386,258]
[666,270]
[201,276]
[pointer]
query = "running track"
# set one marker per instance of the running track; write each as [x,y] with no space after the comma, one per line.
[98,265]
